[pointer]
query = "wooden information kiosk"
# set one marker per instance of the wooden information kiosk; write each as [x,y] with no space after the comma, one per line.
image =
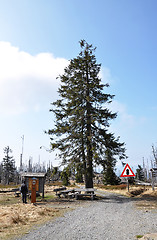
[34,181]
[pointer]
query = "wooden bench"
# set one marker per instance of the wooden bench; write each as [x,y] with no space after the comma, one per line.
[91,195]
[56,190]
[17,194]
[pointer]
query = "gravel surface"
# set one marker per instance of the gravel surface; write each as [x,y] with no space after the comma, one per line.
[114,217]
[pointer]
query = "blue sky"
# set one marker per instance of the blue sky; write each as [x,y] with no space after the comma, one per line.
[37,38]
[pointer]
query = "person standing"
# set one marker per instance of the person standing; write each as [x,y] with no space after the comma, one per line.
[24,191]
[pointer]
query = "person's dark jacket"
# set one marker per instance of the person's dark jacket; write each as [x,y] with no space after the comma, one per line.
[24,188]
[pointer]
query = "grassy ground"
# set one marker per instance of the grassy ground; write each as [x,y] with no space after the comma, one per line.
[16,217]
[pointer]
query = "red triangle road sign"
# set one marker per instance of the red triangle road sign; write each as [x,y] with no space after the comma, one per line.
[127,172]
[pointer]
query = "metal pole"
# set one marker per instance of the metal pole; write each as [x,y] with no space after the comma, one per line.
[22,143]
[153,181]
[21,156]
[128,184]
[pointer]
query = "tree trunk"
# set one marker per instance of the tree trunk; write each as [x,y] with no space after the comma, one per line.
[89,167]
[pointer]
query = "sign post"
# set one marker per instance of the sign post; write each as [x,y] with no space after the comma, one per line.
[128,184]
[127,172]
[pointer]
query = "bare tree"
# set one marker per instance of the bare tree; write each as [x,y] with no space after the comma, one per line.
[154,151]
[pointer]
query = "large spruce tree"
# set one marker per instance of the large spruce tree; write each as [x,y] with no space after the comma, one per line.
[82,116]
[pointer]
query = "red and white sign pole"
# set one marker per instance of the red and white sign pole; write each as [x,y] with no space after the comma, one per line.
[127,172]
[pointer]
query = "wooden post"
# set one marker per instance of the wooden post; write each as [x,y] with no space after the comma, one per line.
[43,182]
[33,190]
[128,184]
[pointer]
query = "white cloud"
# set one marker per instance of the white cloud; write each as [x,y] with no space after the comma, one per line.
[124,116]
[105,75]
[27,81]
[126,120]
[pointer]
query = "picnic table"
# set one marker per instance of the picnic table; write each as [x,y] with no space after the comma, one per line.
[85,192]
[58,190]
[66,193]
[76,193]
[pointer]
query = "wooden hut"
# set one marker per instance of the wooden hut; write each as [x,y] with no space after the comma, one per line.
[40,177]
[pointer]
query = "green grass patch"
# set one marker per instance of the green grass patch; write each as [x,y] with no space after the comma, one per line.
[139,236]
[46,198]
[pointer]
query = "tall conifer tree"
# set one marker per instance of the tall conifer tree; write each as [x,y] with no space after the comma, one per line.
[82,117]
[8,165]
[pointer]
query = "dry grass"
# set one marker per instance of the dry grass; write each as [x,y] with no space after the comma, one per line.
[134,190]
[144,197]
[17,218]
[10,186]
[147,200]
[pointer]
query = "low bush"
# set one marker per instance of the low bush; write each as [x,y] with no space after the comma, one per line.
[137,191]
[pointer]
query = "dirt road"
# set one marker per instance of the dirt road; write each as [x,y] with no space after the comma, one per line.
[112,217]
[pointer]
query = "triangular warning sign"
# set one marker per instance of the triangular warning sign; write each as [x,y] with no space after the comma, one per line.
[127,172]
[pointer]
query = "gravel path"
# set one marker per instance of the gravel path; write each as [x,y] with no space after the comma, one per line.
[114,217]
